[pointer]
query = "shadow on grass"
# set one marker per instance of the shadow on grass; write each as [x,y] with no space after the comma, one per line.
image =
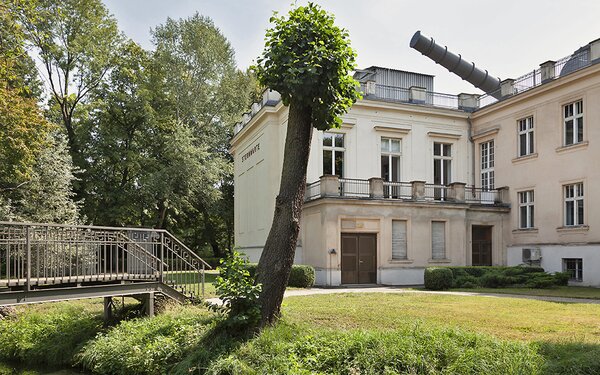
[217,342]
[570,358]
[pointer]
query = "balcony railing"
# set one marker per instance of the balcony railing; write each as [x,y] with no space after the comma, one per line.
[415,191]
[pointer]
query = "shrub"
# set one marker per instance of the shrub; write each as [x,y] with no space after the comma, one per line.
[438,278]
[302,276]
[465,281]
[562,278]
[496,280]
[235,287]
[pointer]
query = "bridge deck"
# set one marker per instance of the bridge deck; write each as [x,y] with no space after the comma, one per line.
[38,281]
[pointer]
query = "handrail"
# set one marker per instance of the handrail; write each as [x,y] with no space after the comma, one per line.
[34,255]
[188,249]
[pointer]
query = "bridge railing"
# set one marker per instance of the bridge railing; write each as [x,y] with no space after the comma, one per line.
[40,255]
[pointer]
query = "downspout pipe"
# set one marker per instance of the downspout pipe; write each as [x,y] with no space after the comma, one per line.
[455,64]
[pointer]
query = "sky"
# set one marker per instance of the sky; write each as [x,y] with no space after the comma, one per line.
[508,38]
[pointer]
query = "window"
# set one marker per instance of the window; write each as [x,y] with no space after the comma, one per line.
[390,159]
[487,165]
[399,239]
[438,240]
[574,204]
[526,212]
[574,266]
[333,154]
[573,119]
[442,167]
[526,136]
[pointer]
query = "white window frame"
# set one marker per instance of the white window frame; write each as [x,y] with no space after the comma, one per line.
[445,248]
[390,154]
[525,129]
[573,193]
[333,148]
[575,112]
[443,157]
[527,203]
[487,165]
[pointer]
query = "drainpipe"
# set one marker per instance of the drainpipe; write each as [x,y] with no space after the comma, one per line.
[470,137]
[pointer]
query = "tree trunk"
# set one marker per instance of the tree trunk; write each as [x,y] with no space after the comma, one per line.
[278,254]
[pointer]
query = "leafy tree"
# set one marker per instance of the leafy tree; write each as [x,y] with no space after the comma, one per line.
[307,59]
[76,41]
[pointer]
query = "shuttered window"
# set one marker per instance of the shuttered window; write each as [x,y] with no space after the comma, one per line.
[399,239]
[438,240]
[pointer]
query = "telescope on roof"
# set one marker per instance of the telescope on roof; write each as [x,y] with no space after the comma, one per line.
[455,64]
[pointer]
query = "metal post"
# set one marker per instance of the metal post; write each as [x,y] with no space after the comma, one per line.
[203,280]
[28,266]
[162,257]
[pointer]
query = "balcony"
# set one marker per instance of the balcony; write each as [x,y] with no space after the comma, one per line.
[416,191]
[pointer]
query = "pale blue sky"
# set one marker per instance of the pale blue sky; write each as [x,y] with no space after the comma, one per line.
[506,37]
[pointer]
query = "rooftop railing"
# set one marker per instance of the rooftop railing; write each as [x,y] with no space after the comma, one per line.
[547,72]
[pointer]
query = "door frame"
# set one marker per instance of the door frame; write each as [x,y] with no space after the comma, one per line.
[373,234]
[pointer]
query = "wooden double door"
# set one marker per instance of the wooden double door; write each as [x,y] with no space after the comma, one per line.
[359,258]
[481,250]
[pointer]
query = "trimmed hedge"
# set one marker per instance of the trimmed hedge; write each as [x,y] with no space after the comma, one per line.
[438,278]
[500,277]
[301,276]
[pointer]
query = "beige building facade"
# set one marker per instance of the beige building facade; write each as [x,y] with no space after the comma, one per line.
[389,193]
[415,178]
[547,145]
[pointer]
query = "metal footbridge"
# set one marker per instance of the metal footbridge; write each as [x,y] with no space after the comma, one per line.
[51,262]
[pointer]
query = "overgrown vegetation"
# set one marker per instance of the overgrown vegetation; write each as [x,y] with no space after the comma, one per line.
[439,278]
[238,293]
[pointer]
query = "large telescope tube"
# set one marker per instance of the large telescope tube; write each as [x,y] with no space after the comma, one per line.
[455,64]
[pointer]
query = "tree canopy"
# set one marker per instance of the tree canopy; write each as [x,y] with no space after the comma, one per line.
[308,60]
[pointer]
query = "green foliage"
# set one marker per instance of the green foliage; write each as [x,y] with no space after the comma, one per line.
[301,276]
[47,336]
[499,277]
[145,345]
[288,349]
[307,59]
[438,278]
[238,293]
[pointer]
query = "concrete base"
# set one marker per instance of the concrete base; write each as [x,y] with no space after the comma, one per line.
[401,276]
[328,277]
[553,255]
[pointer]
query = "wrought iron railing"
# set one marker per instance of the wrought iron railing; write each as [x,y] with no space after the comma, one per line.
[313,191]
[437,192]
[397,190]
[351,187]
[482,196]
[399,94]
[532,79]
[41,255]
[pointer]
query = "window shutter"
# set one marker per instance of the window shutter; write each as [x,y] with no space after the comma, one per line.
[399,239]
[438,240]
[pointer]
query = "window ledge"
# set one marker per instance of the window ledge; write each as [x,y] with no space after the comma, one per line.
[519,159]
[573,228]
[401,261]
[572,147]
[440,260]
[525,230]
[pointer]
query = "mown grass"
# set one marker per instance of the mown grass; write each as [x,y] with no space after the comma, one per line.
[330,334]
[561,291]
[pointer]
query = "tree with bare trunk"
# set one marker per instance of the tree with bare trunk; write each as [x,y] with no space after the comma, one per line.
[308,60]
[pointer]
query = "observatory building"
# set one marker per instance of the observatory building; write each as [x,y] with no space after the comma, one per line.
[416,178]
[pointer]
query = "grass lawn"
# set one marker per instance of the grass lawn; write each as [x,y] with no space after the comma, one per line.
[561,291]
[330,327]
